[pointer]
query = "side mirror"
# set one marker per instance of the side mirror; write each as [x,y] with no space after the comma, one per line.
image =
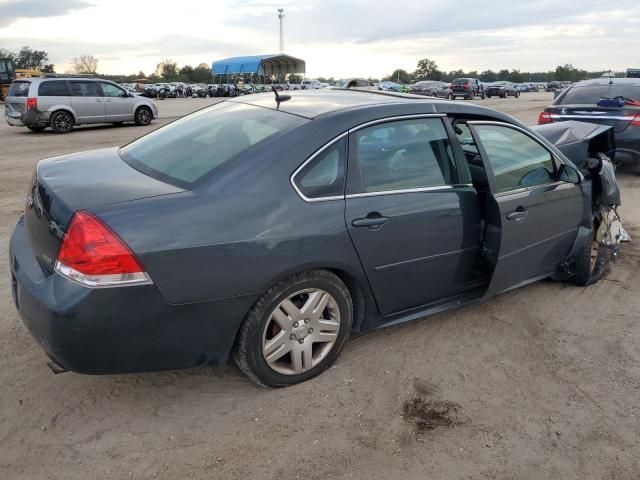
[568,174]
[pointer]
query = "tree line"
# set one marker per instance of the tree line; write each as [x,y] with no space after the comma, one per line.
[427,69]
[168,71]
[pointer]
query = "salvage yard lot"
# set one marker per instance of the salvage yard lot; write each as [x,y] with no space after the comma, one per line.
[541,382]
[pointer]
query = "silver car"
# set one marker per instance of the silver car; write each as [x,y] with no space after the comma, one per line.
[61,103]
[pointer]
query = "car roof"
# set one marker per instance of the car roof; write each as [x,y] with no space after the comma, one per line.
[314,103]
[605,81]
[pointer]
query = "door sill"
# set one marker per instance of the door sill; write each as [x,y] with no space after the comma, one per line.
[423,311]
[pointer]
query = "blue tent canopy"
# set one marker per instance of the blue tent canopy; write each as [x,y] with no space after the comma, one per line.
[259,65]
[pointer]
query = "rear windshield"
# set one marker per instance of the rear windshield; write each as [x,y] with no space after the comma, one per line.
[589,95]
[19,89]
[461,81]
[191,148]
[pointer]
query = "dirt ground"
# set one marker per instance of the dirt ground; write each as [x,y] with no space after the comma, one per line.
[539,383]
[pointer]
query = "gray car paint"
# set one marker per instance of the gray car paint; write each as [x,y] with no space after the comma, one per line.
[236,234]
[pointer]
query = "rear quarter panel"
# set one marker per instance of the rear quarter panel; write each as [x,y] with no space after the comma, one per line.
[237,234]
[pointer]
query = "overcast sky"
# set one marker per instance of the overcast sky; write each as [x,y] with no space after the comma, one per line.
[336,38]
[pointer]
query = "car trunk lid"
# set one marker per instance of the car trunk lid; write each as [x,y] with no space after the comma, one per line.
[63,185]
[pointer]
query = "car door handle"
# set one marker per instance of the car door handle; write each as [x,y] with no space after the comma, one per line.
[518,215]
[371,220]
[98,100]
[108,100]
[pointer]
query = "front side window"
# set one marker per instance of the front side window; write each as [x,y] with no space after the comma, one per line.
[85,89]
[324,176]
[191,148]
[517,160]
[53,89]
[110,90]
[405,154]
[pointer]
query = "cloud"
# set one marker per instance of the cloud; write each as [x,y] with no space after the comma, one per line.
[12,10]
[363,21]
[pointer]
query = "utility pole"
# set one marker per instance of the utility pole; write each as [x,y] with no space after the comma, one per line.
[281,17]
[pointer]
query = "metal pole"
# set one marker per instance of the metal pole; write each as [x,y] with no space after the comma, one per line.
[281,17]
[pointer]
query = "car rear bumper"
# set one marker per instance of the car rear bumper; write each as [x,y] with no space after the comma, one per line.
[30,118]
[117,330]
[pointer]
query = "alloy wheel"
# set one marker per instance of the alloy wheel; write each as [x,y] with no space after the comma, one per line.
[144,116]
[63,122]
[301,331]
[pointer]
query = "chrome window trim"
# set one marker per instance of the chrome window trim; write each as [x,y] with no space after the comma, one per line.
[344,134]
[396,118]
[528,189]
[311,159]
[408,190]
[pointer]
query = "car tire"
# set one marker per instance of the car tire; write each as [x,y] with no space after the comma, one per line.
[517,95]
[143,116]
[450,96]
[591,262]
[118,124]
[267,322]
[37,129]
[483,96]
[61,121]
[488,96]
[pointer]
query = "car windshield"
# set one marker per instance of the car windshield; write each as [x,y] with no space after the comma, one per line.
[589,95]
[189,149]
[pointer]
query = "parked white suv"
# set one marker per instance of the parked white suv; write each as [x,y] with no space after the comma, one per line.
[62,102]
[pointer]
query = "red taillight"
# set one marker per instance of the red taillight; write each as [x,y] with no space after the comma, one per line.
[32,103]
[94,256]
[636,121]
[544,117]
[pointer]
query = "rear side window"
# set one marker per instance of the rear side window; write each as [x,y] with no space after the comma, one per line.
[324,176]
[85,89]
[53,89]
[19,89]
[191,148]
[405,154]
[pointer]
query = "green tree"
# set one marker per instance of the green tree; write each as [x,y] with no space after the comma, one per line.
[425,69]
[186,73]
[401,76]
[489,76]
[168,70]
[202,74]
[515,76]
[49,68]
[31,59]
[503,74]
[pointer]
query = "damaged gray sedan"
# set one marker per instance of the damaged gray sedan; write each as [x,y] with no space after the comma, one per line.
[268,230]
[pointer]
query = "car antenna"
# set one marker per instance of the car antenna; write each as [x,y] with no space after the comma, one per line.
[280,98]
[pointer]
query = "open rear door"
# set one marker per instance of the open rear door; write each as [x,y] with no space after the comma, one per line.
[532,218]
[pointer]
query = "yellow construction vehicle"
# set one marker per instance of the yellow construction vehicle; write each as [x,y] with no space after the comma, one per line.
[8,73]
